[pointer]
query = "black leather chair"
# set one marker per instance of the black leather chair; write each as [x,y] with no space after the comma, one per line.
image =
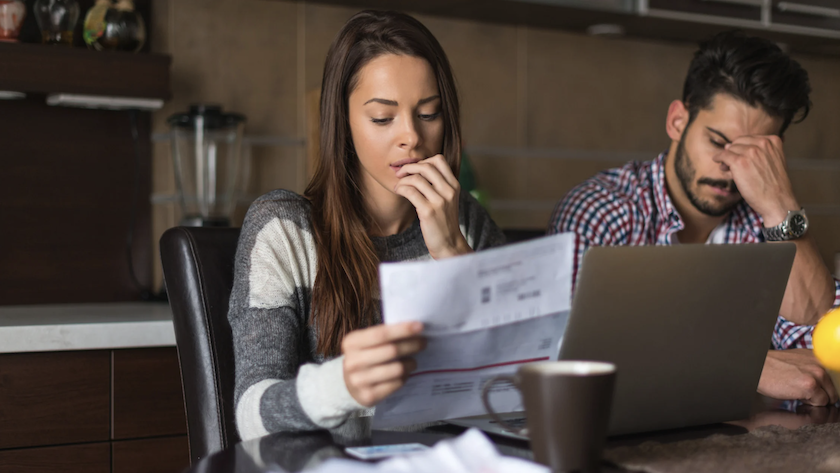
[514,235]
[198,269]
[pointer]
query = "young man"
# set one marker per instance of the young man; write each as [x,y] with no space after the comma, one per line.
[724,180]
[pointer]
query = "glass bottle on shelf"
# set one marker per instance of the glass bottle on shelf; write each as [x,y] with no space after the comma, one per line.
[57,20]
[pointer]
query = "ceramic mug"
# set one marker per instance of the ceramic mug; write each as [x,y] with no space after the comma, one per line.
[567,408]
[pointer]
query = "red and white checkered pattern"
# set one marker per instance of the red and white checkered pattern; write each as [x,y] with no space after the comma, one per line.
[631,206]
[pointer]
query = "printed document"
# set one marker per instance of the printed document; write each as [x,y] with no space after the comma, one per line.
[484,314]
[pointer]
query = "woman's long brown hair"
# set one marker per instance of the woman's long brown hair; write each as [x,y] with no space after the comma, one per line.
[346,279]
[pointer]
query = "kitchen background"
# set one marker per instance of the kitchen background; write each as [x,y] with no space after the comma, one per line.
[89,376]
[543,109]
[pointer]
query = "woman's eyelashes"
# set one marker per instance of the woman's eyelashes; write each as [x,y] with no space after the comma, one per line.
[428,117]
[717,144]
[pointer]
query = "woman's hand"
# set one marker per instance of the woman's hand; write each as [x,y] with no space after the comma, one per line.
[377,360]
[434,191]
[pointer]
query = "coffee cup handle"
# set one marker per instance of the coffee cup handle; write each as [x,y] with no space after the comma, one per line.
[485,392]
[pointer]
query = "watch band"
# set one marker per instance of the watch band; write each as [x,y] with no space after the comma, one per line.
[782,231]
[776,233]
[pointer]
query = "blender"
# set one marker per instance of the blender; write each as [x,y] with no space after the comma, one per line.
[207,155]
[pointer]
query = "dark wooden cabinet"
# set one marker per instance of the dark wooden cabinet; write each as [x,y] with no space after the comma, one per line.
[54,398]
[35,68]
[804,26]
[86,458]
[147,394]
[821,14]
[158,455]
[734,9]
[92,411]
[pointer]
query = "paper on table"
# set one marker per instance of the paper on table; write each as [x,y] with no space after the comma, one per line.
[484,314]
[471,452]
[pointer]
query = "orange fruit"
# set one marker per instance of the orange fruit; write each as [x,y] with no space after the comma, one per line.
[826,340]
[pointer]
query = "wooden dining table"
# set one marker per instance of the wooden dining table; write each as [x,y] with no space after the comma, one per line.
[301,451]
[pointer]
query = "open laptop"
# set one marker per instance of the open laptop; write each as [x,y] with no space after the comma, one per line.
[688,327]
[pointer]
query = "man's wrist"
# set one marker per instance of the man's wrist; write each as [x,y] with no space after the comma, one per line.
[778,214]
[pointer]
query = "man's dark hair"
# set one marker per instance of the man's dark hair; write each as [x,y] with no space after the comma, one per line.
[751,69]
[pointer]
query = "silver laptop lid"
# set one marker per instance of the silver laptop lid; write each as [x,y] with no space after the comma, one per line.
[688,327]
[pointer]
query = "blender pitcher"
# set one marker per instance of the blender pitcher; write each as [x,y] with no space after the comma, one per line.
[207,154]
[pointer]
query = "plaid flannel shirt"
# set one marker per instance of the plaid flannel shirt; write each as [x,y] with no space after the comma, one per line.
[631,206]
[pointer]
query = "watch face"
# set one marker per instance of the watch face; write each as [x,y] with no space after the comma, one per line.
[798,225]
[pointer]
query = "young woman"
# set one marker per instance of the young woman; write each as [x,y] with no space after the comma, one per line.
[305,312]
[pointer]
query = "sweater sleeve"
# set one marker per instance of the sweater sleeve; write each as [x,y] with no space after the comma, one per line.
[478,228]
[278,387]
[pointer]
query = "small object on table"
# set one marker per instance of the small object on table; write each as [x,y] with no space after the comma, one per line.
[12,13]
[377,452]
[826,339]
[57,20]
[114,27]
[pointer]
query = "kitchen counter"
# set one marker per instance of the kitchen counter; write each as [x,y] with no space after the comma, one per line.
[38,328]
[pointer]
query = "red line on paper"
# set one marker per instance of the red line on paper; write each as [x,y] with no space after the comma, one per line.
[496,365]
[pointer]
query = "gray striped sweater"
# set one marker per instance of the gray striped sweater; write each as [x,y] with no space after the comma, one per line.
[282,384]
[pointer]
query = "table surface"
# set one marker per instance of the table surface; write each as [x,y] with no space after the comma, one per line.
[304,451]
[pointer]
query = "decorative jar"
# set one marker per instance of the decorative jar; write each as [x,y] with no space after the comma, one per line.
[114,27]
[12,13]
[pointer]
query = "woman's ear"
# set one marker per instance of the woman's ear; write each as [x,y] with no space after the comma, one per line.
[677,120]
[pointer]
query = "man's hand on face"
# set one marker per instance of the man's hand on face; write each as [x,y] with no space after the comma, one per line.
[797,375]
[757,164]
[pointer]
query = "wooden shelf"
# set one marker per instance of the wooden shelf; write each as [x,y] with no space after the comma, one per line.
[35,68]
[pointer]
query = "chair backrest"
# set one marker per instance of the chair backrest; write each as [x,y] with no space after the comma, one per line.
[514,235]
[198,270]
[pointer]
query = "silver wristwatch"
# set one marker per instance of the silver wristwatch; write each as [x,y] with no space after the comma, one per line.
[792,227]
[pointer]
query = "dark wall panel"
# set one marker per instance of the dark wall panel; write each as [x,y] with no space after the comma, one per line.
[66,188]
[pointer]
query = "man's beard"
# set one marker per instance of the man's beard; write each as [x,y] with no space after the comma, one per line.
[686,173]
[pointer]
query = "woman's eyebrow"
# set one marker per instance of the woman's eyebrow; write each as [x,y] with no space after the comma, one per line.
[393,103]
[428,99]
